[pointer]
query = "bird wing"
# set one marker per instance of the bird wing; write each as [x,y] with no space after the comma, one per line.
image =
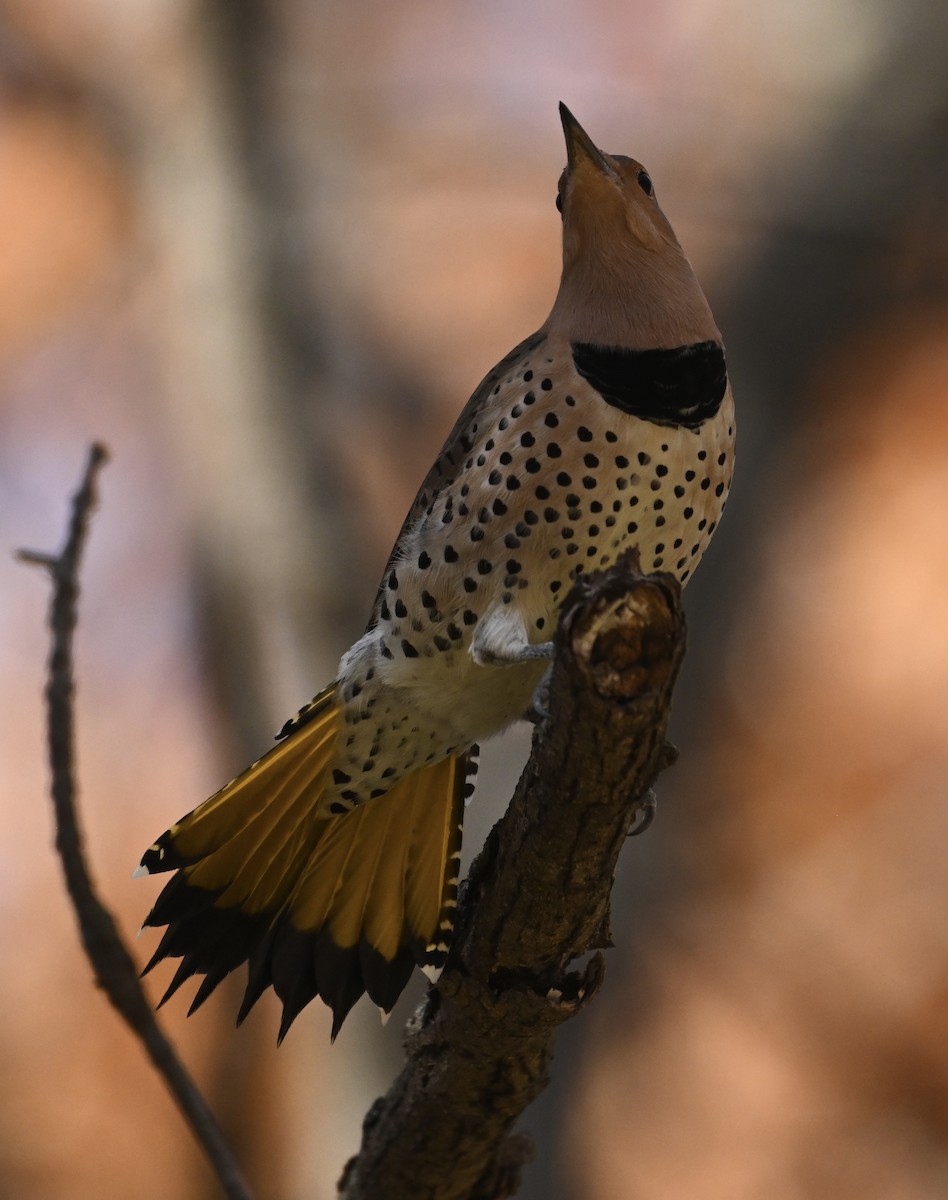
[457,446]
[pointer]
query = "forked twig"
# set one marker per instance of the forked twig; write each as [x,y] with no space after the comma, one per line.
[114,968]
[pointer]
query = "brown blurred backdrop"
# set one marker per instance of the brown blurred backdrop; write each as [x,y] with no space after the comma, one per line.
[265,249]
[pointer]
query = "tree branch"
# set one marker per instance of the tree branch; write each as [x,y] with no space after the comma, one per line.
[114,968]
[537,898]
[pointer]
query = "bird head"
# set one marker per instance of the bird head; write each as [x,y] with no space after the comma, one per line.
[626,280]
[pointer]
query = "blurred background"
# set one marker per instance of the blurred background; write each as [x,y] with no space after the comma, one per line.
[265,249]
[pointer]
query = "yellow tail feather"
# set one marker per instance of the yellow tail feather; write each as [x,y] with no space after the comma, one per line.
[394,848]
[317,904]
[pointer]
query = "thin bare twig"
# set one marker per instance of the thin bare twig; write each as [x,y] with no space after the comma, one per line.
[114,968]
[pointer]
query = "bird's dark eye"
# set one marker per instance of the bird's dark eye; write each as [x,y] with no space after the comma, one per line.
[559,202]
[645,183]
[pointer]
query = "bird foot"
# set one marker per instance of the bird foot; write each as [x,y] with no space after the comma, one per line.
[539,710]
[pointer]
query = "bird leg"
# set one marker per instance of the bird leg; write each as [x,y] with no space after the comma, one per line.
[500,640]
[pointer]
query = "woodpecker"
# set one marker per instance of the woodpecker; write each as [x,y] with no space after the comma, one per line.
[330,865]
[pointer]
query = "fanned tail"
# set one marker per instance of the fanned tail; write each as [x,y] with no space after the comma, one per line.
[318,905]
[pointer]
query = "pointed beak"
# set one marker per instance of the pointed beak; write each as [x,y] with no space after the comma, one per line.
[580,146]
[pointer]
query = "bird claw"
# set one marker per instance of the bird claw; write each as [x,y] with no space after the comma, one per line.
[539,710]
[644,814]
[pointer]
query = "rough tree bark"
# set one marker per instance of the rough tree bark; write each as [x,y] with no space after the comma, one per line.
[536,899]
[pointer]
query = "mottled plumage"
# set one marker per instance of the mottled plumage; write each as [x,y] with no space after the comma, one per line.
[331,864]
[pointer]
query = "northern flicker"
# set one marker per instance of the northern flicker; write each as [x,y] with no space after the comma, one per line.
[330,865]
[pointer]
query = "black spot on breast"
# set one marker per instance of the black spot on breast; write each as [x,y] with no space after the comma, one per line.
[679,387]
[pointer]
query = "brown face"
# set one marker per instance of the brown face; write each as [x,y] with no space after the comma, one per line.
[626,280]
[599,192]
[625,168]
